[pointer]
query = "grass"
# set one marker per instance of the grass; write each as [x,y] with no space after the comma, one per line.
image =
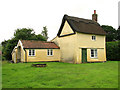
[60,75]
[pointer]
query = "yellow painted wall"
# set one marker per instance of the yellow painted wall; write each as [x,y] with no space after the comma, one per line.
[14,55]
[41,55]
[67,44]
[85,41]
[67,48]
[56,41]
[66,29]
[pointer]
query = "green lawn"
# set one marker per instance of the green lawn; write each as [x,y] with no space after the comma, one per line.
[60,75]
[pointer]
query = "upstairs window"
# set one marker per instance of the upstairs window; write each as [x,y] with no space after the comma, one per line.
[31,52]
[93,53]
[93,38]
[49,52]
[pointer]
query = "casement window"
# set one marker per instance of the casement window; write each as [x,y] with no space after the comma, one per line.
[93,38]
[31,52]
[93,53]
[49,52]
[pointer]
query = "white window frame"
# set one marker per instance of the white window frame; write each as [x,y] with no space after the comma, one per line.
[32,50]
[49,52]
[93,38]
[95,53]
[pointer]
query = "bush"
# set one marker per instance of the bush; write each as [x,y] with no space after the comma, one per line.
[113,51]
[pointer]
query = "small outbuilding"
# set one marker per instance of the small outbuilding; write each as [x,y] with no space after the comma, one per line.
[35,51]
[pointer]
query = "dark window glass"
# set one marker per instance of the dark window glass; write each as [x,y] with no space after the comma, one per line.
[93,37]
[33,52]
[51,52]
[29,52]
[48,52]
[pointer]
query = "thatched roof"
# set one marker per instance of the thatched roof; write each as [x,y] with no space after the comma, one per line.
[82,25]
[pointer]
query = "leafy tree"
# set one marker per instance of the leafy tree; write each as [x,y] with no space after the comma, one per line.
[45,32]
[40,37]
[7,50]
[20,34]
[24,34]
[4,43]
[118,33]
[111,33]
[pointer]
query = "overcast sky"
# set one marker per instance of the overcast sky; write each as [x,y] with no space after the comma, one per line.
[38,13]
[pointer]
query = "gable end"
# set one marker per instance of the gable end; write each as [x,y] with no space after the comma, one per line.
[65,23]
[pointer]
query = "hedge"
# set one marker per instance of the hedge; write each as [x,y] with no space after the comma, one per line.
[113,51]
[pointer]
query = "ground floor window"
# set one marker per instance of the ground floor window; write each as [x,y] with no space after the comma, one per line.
[49,52]
[31,52]
[93,53]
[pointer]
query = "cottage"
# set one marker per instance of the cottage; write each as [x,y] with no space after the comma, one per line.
[78,41]
[81,40]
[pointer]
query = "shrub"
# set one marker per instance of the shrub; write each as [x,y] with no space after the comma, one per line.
[113,51]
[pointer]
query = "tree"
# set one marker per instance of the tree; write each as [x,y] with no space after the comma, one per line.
[20,34]
[118,33]
[45,32]
[4,43]
[24,34]
[40,37]
[111,33]
[7,49]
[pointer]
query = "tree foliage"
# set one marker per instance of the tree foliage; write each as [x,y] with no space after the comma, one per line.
[113,50]
[118,33]
[19,34]
[7,49]
[45,32]
[24,34]
[111,33]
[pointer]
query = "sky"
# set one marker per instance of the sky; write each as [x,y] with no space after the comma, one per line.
[36,14]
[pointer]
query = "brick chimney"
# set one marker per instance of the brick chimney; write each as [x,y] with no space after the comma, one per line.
[94,16]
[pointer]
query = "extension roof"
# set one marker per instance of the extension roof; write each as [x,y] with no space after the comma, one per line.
[32,44]
[82,25]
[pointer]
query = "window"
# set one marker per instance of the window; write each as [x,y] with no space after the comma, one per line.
[31,52]
[93,53]
[50,52]
[93,37]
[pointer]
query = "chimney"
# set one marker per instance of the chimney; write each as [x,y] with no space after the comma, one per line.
[94,16]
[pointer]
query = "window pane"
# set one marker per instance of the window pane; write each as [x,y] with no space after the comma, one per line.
[95,52]
[94,37]
[29,52]
[92,51]
[51,53]
[33,52]
[48,52]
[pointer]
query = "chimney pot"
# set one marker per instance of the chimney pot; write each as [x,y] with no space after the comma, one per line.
[94,11]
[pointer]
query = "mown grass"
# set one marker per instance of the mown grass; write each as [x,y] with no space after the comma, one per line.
[60,75]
